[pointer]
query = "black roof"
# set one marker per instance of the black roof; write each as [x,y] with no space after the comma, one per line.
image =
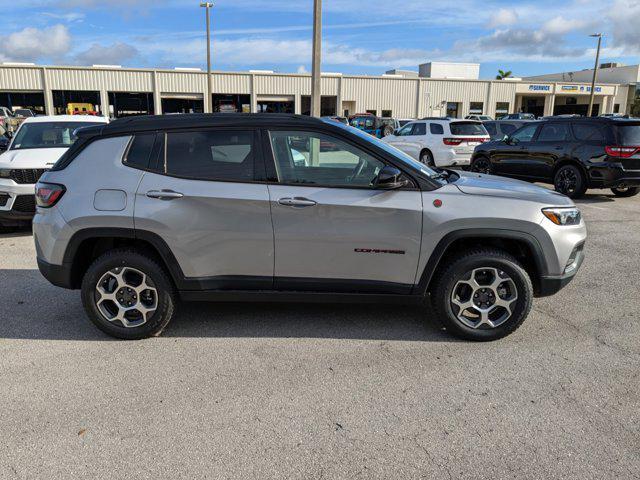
[156,122]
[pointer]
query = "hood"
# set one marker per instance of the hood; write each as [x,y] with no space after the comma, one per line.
[31,158]
[494,186]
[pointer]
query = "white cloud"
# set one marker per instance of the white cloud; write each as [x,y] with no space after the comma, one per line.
[302,69]
[504,16]
[624,16]
[116,53]
[67,17]
[31,44]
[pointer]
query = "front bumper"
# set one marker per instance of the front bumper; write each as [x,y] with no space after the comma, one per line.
[550,285]
[17,202]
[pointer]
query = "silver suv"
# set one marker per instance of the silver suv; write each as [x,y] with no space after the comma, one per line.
[145,211]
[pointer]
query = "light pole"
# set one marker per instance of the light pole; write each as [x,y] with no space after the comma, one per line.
[208,107]
[316,61]
[595,73]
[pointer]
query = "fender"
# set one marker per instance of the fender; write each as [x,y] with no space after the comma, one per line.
[448,239]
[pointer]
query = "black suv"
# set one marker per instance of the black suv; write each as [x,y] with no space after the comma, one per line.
[571,153]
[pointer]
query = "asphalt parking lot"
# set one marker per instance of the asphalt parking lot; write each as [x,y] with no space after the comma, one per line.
[322,391]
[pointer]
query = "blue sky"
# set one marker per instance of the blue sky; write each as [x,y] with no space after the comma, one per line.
[360,36]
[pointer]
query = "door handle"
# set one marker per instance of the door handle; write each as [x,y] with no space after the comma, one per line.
[164,194]
[297,202]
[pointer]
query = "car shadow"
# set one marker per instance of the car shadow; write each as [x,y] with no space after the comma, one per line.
[32,309]
[590,198]
[14,232]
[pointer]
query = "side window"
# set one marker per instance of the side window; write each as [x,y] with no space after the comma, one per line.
[211,155]
[507,128]
[139,151]
[419,129]
[317,159]
[588,133]
[406,130]
[436,129]
[554,132]
[491,128]
[525,134]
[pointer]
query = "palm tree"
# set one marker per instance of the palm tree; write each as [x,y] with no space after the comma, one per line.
[502,74]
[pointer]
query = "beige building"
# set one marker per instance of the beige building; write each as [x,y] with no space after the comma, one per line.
[115,91]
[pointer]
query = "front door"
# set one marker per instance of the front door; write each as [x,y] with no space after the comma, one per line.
[204,201]
[511,158]
[333,230]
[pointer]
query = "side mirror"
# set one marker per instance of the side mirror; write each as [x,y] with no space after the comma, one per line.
[389,179]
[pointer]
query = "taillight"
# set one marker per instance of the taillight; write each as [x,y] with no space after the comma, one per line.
[621,152]
[48,194]
[459,140]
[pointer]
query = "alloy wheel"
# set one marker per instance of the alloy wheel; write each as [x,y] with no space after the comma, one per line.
[126,295]
[567,181]
[484,298]
[482,165]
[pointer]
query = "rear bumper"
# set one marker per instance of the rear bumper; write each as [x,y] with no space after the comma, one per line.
[612,175]
[58,275]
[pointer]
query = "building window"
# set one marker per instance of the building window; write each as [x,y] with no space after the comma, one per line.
[616,108]
[476,108]
[387,113]
[453,108]
[372,112]
[571,101]
[502,108]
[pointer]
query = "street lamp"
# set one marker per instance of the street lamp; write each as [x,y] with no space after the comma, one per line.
[316,60]
[208,104]
[595,73]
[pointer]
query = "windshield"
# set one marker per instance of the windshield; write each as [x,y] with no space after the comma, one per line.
[391,150]
[47,135]
[362,122]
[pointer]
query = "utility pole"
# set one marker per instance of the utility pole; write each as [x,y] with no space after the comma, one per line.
[316,61]
[208,104]
[595,74]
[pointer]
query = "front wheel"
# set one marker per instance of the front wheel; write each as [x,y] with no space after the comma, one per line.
[483,295]
[481,165]
[127,295]
[570,181]
[625,191]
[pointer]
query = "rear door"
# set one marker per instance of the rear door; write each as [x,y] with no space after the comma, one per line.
[416,140]
[333,230]
[204,198]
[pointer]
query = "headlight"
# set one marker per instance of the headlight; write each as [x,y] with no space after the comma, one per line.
[5,173]
[563,216]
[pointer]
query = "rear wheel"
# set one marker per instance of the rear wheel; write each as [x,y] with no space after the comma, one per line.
[483,295]
[569,180]
[128,295]
[481,165]
[426,157]
[625,191]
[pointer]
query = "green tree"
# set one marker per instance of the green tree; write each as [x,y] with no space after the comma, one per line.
[502,74]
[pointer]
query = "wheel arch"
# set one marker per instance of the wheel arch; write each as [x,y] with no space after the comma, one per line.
[575,163]
[87,244]
[524,246]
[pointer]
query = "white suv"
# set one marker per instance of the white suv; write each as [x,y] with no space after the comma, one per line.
[35,147]
[440,142]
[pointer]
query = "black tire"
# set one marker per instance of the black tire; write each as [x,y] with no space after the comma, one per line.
[570,181]
[426,157]
[448,277]
[625,191]
[131,259]
[482,164]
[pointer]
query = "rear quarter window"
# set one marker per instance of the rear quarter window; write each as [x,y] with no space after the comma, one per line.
[436,129]
[588,133]
[467,128]
[139,152]
[629,134]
